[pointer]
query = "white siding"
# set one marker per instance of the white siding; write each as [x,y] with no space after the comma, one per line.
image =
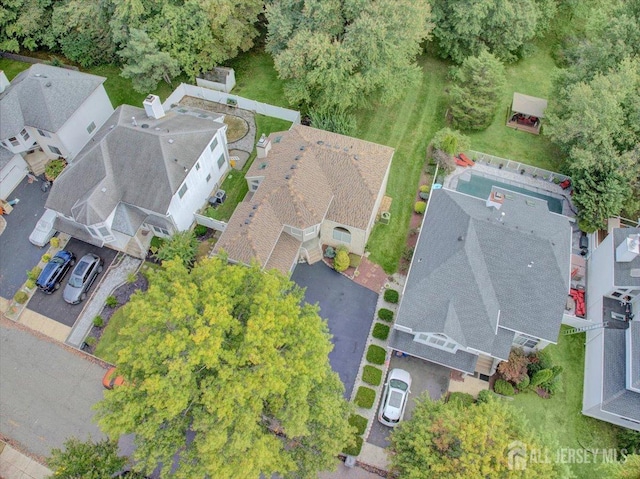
[11,175]
[182,209]
[73,135]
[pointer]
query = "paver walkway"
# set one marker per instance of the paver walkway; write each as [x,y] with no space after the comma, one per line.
[116,276]
[15,465]
[371,275]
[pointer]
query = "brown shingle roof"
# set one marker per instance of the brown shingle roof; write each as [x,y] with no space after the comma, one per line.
[308,175]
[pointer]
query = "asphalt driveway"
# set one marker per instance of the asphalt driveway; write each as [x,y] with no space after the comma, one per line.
[47,391]
[17,255]
[425,376]
[349,309]
[56,308]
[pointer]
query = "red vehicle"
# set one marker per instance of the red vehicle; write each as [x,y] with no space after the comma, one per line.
[111,379]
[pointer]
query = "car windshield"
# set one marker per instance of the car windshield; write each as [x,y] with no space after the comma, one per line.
[397,384]
[75,281]
[58,260]
[395,399]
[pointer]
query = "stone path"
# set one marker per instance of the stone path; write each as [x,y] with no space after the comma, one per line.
[116,276]
[371,275]
[15,465]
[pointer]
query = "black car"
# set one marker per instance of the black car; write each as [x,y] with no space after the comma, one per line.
[55,270]
[82,277]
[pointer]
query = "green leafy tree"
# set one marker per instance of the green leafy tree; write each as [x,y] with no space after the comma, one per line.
[24,23]
[340,54]
[450,141]
[182,245]
[626,469]
[476,91]
[145,65]
[88,460]
[456,441]
[233,356]
[505,27]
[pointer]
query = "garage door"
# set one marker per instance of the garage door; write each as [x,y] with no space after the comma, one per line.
[11,178]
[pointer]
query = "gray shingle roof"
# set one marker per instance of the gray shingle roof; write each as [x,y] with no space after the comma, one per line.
[616,399]
[622,271]
[633,353]
[141,165]
[44,97]
[461,360]
[75,230]
[471,265]
[5,156]
[128,219]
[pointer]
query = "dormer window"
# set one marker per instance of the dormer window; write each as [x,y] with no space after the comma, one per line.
[436,340]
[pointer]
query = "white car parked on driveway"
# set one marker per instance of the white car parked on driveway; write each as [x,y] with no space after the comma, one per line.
[394,399]
[43,231]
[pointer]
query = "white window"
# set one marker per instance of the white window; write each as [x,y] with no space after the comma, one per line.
[213,144]
[160,231]
[91,127]
[197,166]
[55,150]
[253,185]
[221,161]
[208,177]
[436,340]
[93,232]
[183,189]
[526,341]
[25,135]
[14,141]
[342,234]
[44,133]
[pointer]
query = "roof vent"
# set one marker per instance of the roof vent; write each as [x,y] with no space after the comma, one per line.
[345,149]
[293,167]
[254,207]
[157,129]
[262,166]
[286,177]
[170,140]
[144,125]
[48,84]
[301,147]
[297,158]
[320,142]
[251,215]
[460,238]
[356,157]
[104,190]
[112,127]
[247,221]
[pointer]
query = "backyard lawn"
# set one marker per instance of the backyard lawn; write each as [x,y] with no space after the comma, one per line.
[560,416]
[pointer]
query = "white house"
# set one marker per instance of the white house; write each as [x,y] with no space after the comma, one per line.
[612,355]
[146,170]
[54,110]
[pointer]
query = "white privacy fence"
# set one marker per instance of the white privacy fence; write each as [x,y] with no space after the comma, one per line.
[210,222]
[230,100]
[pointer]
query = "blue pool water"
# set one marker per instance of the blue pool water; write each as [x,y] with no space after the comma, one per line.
[480,187]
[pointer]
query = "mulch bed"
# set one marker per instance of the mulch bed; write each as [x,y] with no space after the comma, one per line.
[122,294]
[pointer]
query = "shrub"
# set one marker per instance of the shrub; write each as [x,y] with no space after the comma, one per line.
[34,273]
[54,168]
[90,341]
[330,252]
[182,246]
[385,314]
[450,141]
[407,254]
[354,260]
[381,331]
[503,387]
[365,397]
[30,284]
[515,369]
[55,242]
[463,399]
[524,383]
[445,162]
[372,375]
[537,361]
[485,396]
[20,297]
[359,422]
[391,296]
[333,119]
[200,230]
[355,448]
[376,354]
[425,188]
[98,322]
[45,258]
[111,301]
[341,261]
[420,207]
[628,439]
[132,278]
[540,377]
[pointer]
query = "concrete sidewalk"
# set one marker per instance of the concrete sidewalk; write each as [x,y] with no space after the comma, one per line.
[44,325]
[15,465]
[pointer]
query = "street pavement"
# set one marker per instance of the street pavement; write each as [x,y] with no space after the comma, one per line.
[47,391]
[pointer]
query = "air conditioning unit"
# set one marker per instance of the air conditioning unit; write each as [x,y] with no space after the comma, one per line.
[385,217]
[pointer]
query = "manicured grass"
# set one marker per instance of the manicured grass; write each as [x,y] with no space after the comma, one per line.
[365,397]
[376,354]
[107,346]
[11,68]
[372,375]
[560,416]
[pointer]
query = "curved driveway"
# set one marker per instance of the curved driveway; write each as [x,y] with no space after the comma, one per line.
[46,391]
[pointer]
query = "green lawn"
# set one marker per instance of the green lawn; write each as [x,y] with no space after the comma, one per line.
[560,416]
[12,68]
[257,79]
[107,346]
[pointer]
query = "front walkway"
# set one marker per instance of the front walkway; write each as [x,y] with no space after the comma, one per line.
[15,465]
[370,275]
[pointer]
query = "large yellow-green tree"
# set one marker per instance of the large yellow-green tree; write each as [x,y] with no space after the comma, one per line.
[233,358]
[460,441]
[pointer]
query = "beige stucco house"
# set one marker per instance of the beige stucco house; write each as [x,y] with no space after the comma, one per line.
[307,187]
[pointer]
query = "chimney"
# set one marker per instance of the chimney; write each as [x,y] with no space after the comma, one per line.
[263,146]
[4,81]
[153,107]
[495,200]
[629,249]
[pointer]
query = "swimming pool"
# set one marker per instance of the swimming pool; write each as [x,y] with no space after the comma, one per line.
[480,187]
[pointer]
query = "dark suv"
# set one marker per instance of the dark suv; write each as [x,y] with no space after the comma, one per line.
[83,276]
[55,270]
